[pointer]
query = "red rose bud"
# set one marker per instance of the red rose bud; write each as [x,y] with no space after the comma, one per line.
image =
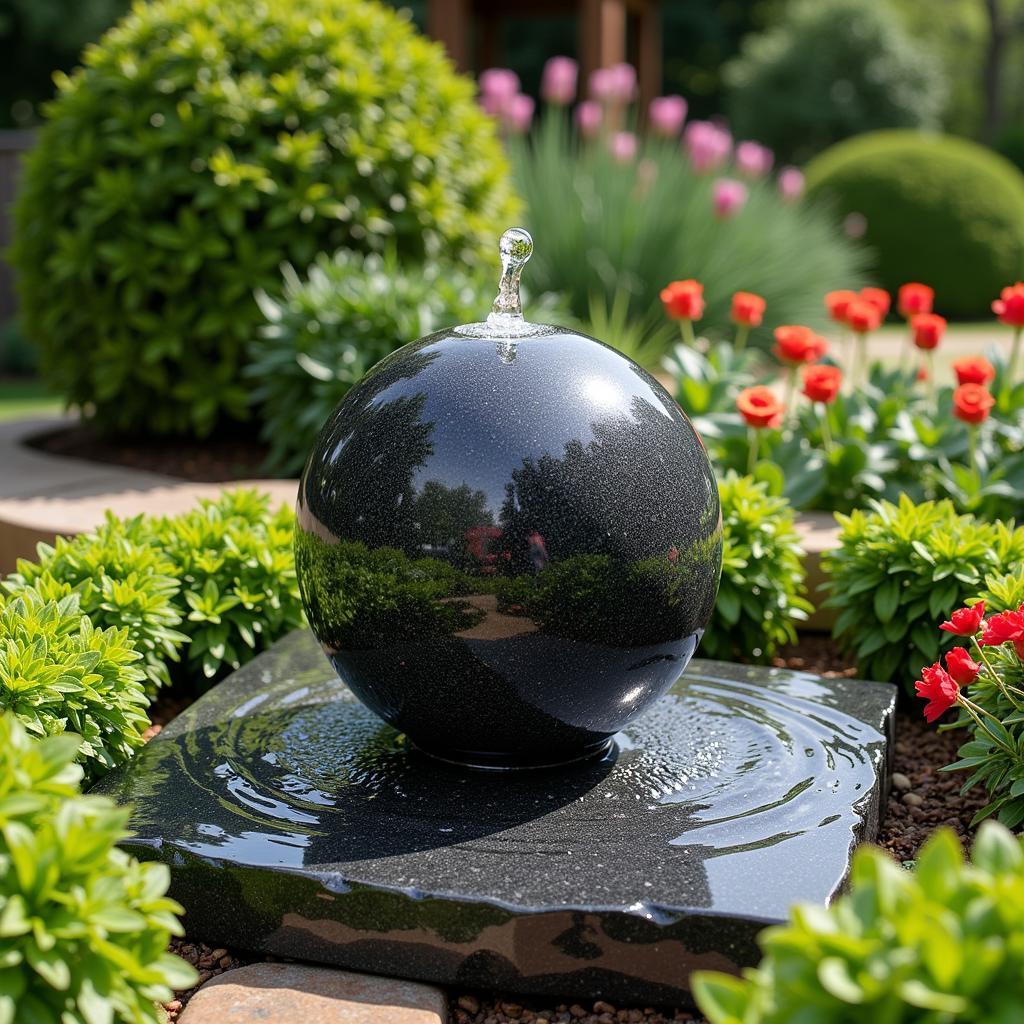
[837,304]
[683,300]
[877,297]
[747,309]
[939,688]
[915,298]
[821,383]
[973,370]
[961,666]
[760,407]
[863,316]
[972,403]
[795,345]
[965,621]
[1007,627]
[1009,307]
[928,329]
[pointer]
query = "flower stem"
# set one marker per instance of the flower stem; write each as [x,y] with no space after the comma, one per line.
[929,357]
[1003,686]
[742,330]
[686,326]
[1011,369]
[973,710]
[789,401]
[826,430]
[755,441]
[972,447]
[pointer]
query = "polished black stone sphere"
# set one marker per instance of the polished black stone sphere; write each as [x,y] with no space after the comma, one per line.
[508,546]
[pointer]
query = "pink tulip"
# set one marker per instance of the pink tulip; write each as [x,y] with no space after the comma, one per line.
[623,146]
[753,160]
[616,85]
[707,145]
[728,196]
[497,87]
[518,114]
[666,115]
[559,82]
[791,183]
[588,118]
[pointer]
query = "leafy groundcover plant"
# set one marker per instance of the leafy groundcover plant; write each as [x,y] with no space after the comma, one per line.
[59,673]
[989,660]
[760,597]
[899,568]
[209,588]
[937,945]
[83,927]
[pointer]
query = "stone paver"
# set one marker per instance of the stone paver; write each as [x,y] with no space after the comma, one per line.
[299,994]
[43,495]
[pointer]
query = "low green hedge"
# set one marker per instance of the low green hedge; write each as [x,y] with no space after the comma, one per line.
[938,209]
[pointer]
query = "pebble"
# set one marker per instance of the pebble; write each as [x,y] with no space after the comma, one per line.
[900,781]
[912,800]
[469,1003]
[602,1007]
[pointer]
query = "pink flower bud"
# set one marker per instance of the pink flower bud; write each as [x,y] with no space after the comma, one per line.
[623,147]
[728,196]
[707,145]
[497,87]
[518,113]
[588,118]
[753,160]
[791,183]
[666,115]
[559,82]
[616,84]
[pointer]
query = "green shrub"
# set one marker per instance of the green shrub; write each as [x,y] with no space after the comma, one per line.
[937,945]
[900,568]
[203,143]
[610,237]
[828,70]
[923,197]
[121,581]
[58,673]
[761,595]
[219,579]
[325,331]
[85,927]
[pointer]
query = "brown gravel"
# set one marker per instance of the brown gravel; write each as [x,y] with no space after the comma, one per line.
[223,457]
[922,799]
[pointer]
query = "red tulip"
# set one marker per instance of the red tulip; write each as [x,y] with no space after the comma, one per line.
[821,383]
[1009,307]
[863,316]
[973,370]
[915,298]
[928,329]
[747,309]
[683,300]
[795,345]
[759,407]
[837,303]
[972,403]
[877,297]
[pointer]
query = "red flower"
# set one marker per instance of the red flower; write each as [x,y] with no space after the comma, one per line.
[759,406]
[939,688]
[747,309]
[1010,306]
[837,304]
[965,621]
[971,403]
[821,383]
[683,300]
[928,329]
[961,666]
[796,345]
[915,298]
[922,373]
[1007,627]
[877,297]
[863,316]
[973,370]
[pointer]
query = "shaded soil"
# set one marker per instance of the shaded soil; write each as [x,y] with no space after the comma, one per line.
[218,459]
[922,799]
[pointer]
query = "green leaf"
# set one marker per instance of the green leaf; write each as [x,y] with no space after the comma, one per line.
[722,998]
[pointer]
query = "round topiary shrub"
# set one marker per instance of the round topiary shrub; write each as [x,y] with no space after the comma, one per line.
[938,209]
[203,143]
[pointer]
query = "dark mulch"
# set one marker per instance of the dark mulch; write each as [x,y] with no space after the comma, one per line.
[220,458]
[922,800]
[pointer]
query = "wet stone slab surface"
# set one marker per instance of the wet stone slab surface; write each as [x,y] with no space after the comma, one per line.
[296,823]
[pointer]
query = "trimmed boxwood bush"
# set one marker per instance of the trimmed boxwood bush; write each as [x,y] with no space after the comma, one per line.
[900,569]
[761,594]
[203,143]
[58,673]
[938,209]
[937,945]
[83,926]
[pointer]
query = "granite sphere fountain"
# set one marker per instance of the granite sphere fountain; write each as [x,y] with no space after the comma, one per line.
[508,542]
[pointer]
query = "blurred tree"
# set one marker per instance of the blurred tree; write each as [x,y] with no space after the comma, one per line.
[38,37]
[828,70]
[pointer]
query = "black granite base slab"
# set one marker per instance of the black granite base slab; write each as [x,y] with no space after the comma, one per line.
[296,823]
